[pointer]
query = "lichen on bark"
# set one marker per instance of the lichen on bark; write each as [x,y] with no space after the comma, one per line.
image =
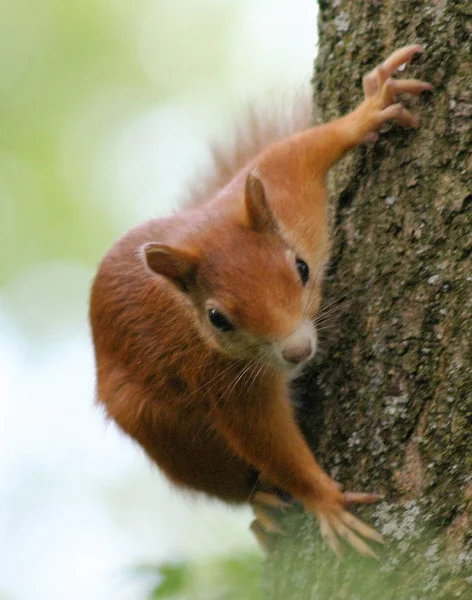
[389,405]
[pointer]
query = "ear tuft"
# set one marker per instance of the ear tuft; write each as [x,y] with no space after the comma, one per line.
[260,216]
[177,264]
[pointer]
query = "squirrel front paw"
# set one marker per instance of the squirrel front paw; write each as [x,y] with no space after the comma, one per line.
[380,92]
[337,523]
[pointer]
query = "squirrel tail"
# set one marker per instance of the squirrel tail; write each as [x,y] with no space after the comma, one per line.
[258,126]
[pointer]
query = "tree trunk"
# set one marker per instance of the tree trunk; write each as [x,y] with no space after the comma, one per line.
[389,405]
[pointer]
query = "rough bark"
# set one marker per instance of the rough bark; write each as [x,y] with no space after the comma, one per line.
[389,405]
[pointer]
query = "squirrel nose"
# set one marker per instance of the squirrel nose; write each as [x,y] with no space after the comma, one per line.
[299,352]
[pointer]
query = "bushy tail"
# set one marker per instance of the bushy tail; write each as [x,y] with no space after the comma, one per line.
[257,127]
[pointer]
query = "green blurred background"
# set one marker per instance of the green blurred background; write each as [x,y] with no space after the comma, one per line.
[106,109]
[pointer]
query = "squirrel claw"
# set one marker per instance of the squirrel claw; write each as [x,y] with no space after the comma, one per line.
[266,540]
[332,528]
[361,498]
[337,523]
[377,76]
[341,524]
[267,521]
[354,523]
[329,535]
[381,91]
[270,500]
[265,527]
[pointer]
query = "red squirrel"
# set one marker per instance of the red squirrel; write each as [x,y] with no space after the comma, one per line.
[200,319]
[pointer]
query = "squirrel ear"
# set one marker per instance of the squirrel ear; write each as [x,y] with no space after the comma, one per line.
[177,264]
[260,216]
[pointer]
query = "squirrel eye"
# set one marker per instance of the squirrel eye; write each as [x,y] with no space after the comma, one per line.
[303,270]
[219,321]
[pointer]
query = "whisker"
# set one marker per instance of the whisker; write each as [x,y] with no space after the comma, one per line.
[223,399]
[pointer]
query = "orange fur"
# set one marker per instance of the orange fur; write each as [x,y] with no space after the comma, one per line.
[210,407]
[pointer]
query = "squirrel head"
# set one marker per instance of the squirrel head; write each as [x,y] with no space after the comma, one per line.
[250,290]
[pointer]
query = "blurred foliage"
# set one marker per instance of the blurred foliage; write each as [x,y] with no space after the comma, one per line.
[70,72]
[227,578]
[57,60]
[74,76]
[417,561]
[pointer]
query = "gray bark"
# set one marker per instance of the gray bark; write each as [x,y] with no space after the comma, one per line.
[389,405]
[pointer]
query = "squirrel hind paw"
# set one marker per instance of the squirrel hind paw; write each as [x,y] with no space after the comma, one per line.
[266,540]
[269,509]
